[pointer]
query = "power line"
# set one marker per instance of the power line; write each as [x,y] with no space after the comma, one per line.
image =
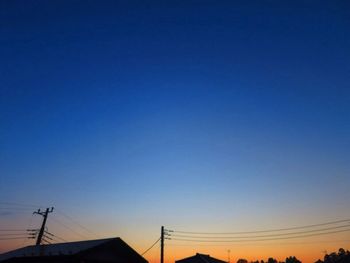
[47,237]
[15,208]
[23,206]
[262,231]
[19,204]
[59,239]
[258,244]
[76,222]
[18,234]
[52,236]
[69,228]
[8,234]
[10,238]
[28,227]
[150,247]
[260,236]
[266,239]
[47,242]
[12,230]
[46,232]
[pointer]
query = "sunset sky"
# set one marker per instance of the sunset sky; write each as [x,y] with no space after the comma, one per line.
[202,116]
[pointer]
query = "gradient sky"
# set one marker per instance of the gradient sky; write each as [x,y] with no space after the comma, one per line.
[195,115]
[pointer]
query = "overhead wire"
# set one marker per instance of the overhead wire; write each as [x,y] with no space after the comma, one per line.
[12,230]
[150,247]
[53,236]
[262,231]
[69,228]
[14,206]
[258,240]
[59,239]
[260,243]
[199,236]
[46,241]
[272,234]
[19,204]
[76,222]
[10,238]
[261,236]
[11,234]
[29,226]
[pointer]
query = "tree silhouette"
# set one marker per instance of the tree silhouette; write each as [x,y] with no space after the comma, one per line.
[292,259]
[242,260]
[343,256]
[271,260]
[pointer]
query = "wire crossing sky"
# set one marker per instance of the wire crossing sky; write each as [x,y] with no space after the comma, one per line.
[206,116]
[264,231]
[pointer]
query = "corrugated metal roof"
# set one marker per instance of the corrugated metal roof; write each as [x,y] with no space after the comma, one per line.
[69,248]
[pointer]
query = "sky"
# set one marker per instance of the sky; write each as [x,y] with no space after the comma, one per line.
[208,116]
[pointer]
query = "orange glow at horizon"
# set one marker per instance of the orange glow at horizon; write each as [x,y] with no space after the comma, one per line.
[308,250]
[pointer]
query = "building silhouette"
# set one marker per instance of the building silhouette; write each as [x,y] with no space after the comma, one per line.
[200,258]
[111,250]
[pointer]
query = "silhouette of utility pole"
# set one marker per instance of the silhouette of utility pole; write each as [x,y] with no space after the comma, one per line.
[162,245]
[42,229]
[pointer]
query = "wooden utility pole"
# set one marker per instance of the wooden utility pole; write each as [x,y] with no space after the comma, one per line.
[162,245]
[42,229]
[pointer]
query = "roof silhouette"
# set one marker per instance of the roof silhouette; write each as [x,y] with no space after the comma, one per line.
[80,249]
[200,258]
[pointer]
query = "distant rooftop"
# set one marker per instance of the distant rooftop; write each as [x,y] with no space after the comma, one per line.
[200,258]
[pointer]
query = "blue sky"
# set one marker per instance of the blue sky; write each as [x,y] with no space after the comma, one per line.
[203,108]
